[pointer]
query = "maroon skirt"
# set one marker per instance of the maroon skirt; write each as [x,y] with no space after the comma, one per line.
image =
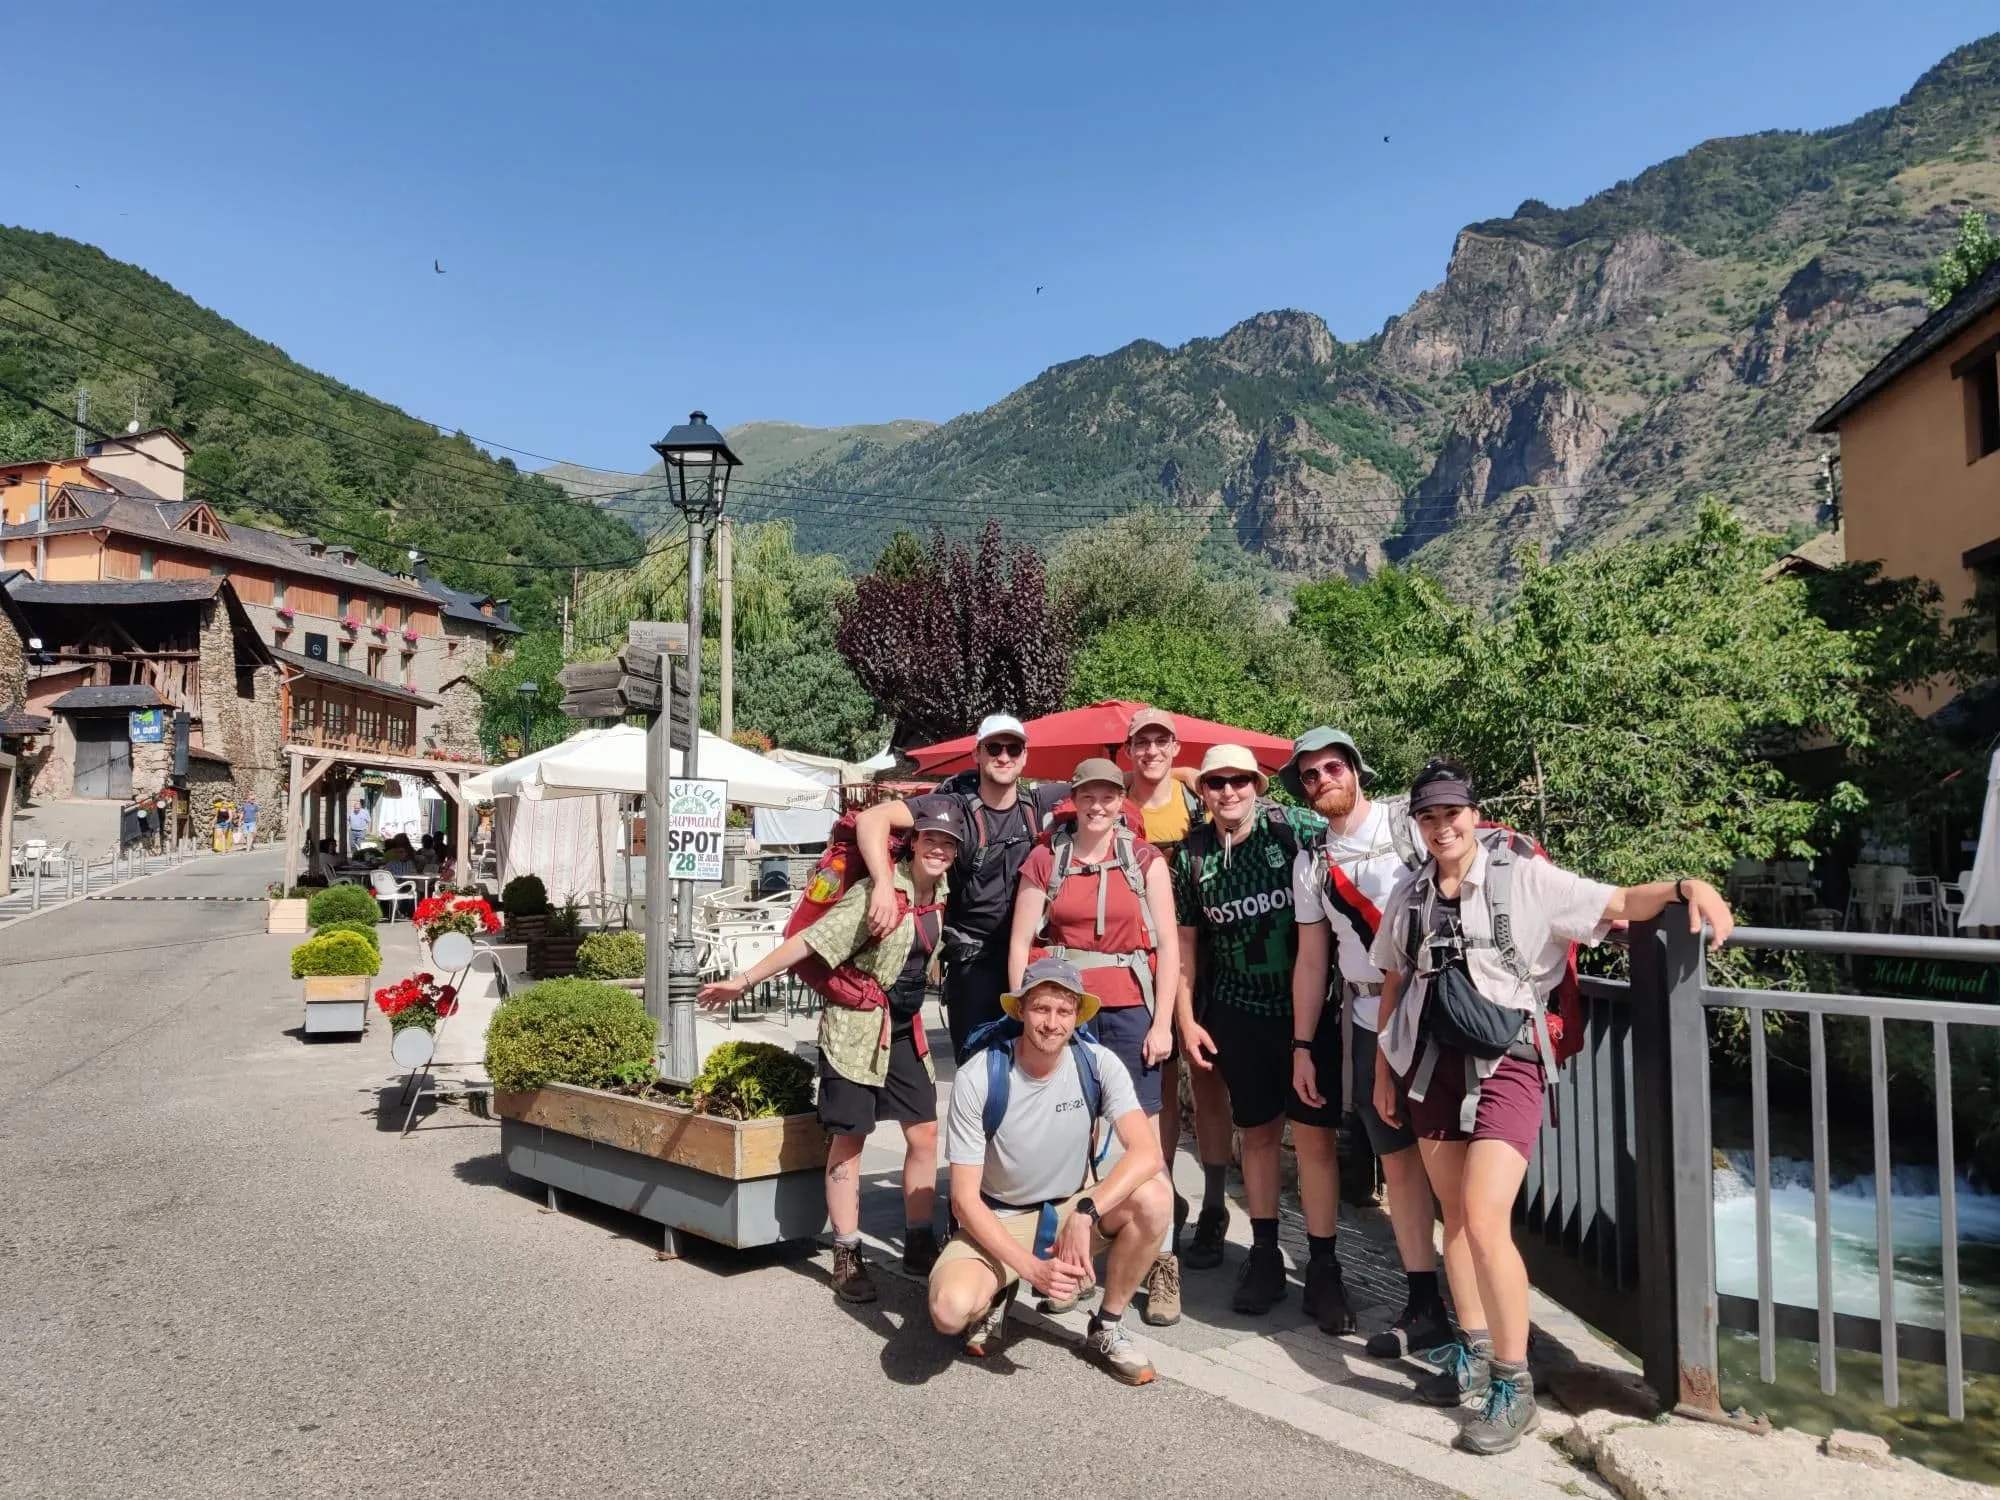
[1510,1102]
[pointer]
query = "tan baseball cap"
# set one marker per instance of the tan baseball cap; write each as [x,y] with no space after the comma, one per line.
[1231,758]
[1151,718]
[1096,769]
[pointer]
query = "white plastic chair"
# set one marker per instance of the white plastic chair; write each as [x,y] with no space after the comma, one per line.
[1863,886]
[1951,900]
[55,859]
[392,892]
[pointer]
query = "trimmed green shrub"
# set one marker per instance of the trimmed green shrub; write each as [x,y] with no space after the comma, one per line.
[336,953]
[525,896]
[342,903]
[612,955]
[360,929]
[752,1081]
[568,1031]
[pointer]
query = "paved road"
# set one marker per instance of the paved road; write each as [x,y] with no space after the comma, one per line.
[221,1272]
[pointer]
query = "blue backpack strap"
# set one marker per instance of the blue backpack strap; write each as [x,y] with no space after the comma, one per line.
[1093,1103]
[999,1082]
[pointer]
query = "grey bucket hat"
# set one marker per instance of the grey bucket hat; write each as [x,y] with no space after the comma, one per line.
[1322,738]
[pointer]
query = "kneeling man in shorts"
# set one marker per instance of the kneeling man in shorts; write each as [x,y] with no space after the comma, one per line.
[1022,1140]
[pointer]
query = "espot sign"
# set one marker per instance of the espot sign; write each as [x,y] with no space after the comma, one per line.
[697,812]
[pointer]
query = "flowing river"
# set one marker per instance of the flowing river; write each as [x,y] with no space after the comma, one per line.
[1918,1428]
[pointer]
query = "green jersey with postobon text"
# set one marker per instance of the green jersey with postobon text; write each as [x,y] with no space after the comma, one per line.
[1239,902]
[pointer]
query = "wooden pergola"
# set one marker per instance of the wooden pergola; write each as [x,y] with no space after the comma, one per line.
[315,769]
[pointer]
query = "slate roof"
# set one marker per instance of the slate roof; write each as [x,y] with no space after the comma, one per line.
[83,699]
[328,671]
[157,520]
[1929,336]
[112,591]
[461,606]
[17,720]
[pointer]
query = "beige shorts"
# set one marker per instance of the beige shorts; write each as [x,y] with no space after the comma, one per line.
[1021,1229]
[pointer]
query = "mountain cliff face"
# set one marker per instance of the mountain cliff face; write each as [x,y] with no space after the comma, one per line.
[1579,374]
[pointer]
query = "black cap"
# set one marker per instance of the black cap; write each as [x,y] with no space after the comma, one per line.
[938,815]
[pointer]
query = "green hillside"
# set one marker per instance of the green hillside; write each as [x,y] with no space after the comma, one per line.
[274,443]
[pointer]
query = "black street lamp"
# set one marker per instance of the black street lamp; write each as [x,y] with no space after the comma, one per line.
[527,692]
[698,467]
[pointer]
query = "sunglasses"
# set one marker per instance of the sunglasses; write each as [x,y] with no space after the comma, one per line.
[1005,749]
[1333,770]
[1228,783]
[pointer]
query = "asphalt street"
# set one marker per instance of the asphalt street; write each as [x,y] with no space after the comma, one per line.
[223,1273]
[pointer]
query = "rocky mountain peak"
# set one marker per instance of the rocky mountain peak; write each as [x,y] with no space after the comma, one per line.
[1272,341]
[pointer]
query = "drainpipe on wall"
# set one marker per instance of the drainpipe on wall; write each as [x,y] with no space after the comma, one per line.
[41,535]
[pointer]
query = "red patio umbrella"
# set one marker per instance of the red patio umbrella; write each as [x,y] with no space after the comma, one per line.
[1056,742]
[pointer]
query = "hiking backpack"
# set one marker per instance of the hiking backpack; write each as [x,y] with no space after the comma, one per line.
[838,869]
[1124,858]
[996,1039]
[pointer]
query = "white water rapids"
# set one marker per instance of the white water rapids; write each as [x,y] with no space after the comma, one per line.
[1914,1209]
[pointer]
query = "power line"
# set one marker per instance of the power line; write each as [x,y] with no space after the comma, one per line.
[388,543]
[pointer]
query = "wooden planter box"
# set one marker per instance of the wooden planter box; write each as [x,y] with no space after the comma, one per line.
[520,929]
[286,915]
[552,957]
[337,1005]
[737,1182]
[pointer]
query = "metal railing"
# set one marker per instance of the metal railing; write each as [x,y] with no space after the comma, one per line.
[1616,1217]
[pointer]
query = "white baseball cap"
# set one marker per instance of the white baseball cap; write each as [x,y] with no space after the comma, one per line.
[998,724]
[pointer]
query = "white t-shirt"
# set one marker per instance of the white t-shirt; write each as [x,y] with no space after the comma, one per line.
[1041,1148]
[1369,859]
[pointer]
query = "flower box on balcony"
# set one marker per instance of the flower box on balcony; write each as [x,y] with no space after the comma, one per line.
[381,632]
[352,627]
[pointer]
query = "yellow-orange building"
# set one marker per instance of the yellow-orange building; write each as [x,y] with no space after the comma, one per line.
[1920,450]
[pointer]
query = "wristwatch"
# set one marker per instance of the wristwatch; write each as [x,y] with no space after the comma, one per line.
[1088,1209]
[1302,1045]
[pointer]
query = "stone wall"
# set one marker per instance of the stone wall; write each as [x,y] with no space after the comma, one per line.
[13,664]
[455,728]
[244,729]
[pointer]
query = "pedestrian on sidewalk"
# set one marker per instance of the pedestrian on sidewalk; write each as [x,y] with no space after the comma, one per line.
[1022,1140]
[1100,896]
[1165,794]
[1471,945]
[876,1067]
[1233,900]
[1339,889]
[249,823]
[1002,823]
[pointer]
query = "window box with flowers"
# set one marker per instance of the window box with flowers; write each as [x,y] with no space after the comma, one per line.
[285,616]
[381,631]
[351,626]
[410,637]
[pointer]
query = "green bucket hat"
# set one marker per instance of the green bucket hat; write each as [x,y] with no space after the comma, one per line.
[1322,738]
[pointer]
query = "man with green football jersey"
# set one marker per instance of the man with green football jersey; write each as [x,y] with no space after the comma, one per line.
[1233,902]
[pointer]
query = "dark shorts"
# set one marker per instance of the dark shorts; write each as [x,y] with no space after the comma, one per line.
[1384,1139]
[907,1096]
[1254,1055]
[971,999]
[1121,1031]
[1510,1103]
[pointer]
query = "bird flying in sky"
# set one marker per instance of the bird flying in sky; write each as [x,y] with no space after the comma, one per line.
[440,269]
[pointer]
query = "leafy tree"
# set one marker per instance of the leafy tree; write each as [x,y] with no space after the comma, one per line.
[1271,682]
[799,691]
[1149,566]
[1971,253]
[537,657]
[972,632]
[902,559]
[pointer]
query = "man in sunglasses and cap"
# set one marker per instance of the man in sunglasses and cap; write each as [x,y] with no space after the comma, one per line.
[1233,902]
[1001,826]
[1339,891]
[1024,1135]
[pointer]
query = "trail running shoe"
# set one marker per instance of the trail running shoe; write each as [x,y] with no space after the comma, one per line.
[1162,1287]
[1070,1303]
[1460,1373]
[1509,1415]
[1417,1330]
[1210,1230]
[851,1281]
[920,1251]
[984,1337]
[1261,1287]
[1326,1298]
[1107,1345]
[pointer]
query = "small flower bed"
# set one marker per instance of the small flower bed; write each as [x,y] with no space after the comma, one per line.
[417,1001]
[442,913]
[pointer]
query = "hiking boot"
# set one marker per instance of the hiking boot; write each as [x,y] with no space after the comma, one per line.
[984,1337]
[1261,1287]
[1210,1230]
[1460,1373]
[1509,1415]
[1421,1331]
[1070,1303]
[1162,1287]
[1325,1298]
[920,1251]
[851,1281]
[1106,1345]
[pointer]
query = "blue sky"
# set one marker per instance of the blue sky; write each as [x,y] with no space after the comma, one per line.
[840,213]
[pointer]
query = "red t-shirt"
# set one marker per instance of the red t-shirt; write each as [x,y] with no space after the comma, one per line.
[1073,921]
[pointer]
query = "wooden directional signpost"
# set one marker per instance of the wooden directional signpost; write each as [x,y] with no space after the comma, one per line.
[648,677]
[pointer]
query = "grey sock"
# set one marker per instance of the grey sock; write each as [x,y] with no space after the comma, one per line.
[1214,1186]
[848,1241]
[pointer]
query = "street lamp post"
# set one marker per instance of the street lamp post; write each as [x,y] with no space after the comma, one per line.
[527,692]
[698,465]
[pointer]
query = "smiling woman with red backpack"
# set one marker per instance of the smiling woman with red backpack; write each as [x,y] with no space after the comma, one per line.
[874,1058]
[1471,944]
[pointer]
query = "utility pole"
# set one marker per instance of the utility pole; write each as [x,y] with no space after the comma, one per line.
[570,610]
[725,583]
[82,416]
